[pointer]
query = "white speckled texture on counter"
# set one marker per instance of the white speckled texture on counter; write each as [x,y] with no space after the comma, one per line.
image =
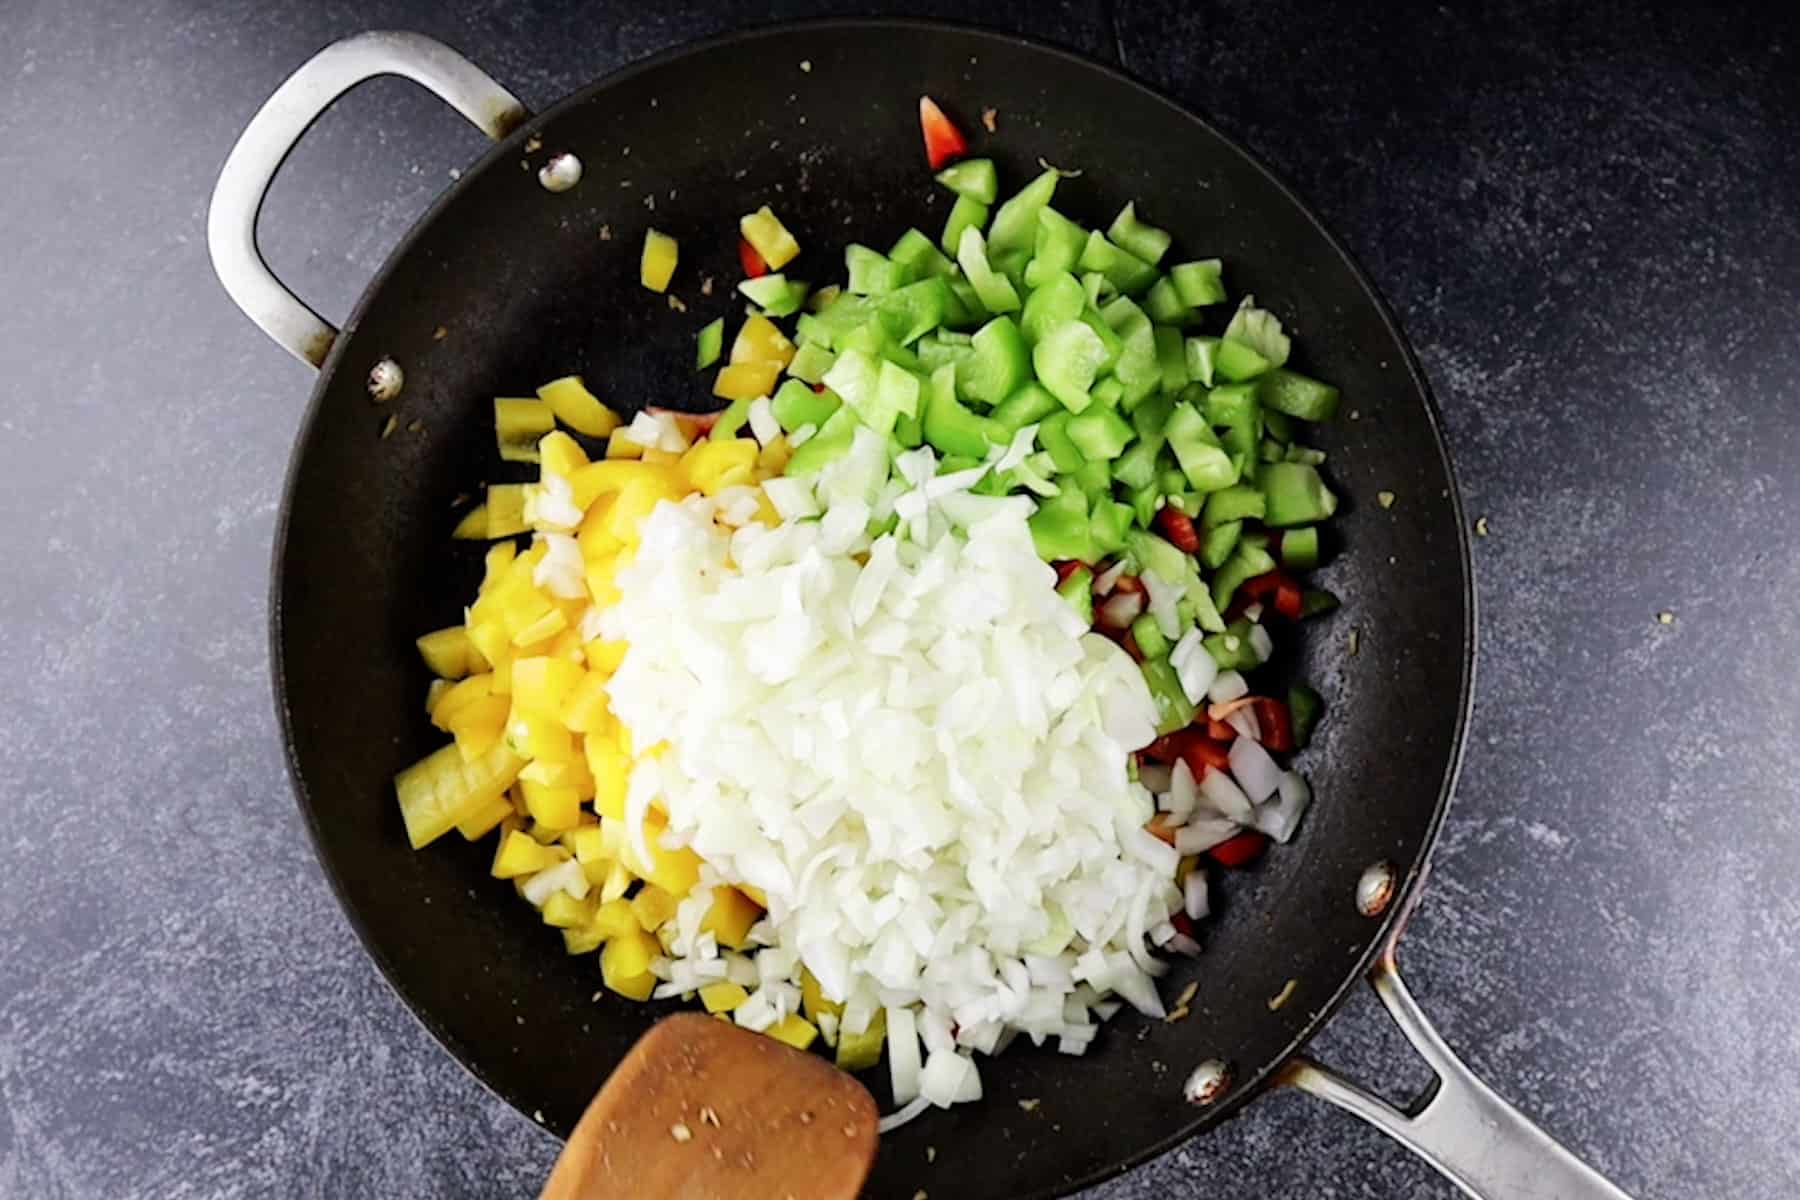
[1585,218]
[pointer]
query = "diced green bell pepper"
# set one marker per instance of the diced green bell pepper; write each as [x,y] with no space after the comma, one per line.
[810,362]
[709,344]
[915,252]
[1300,548]
[1136,468]
[1234,503]
[1199,283]
[1092,476]
[1078,590]
[1237,362]
[734,418]
[949,426]
[776,294]
[796,404]
[1164,304]
[1059,528]
[1171,357]
[909,431]
[1297,395]
[939,347]
[997,366]
[1123,269]
[1137,370]
[1218,541]
[1259,329]
[1294,494]
[1056,301]
[1067,359]
[1016,221]
[965,308]
[872,338]
[1108,393]
[1278,425]
[1144,500]
[994,289]
[966,213]
[974,178]
[1201,352]
[1147,242]
[1303,706]
[872,273]
[1099,433]
[1030,403]
[1059,242]
[909,313]
[1173,709]
[1203,461]
[1316,602]
[1109,522]
[826,446]
[1232,649]
[1149,637]
[1246,562]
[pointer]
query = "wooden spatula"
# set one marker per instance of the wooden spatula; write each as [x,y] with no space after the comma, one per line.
[703,1109]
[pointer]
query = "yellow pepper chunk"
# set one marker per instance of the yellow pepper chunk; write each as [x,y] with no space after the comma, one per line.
[860,1051]
[552,806]
[625,965]
[498,561]
[542,684]
[711,467]
[478,727]
[518,424]
[552,622]
[614,919]
[795,1030]
[614,475]
[519,855]
[652,907]
[675,871]
[620,445]
[657,263]
[584,707]
[566,912]
[730,917]
[745,380]
[480,824]
[535,735]
[581,940]
[586,844]
[769,237]
[774,457]
[491,641]
[722,997]
[577,407]
[760,340]
[505,509]
[474,525]
[611,772]
[618,881]
[604,657]
[559,453]
[812,998]
[460,695]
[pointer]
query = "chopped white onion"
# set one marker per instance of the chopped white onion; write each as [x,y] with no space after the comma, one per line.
[1261,643]
[1227,686]
[1256,773]
[1107,579]
[763,424]
[1202,833]
[1154,776]
[1193,892]
[1223,796]
[1244,721]
[903,1053]
[900,1116]
[1121,610]
[1281,816]
[1165,599]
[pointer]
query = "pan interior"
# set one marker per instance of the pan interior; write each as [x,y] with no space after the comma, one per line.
[526,285]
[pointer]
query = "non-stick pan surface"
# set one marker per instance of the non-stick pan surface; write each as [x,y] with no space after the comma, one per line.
[504,285]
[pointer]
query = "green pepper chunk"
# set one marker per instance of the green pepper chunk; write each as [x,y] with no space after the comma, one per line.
[1203,461]
[1232,649]
[795,404]
[949,426]
[998,365]
[940,347]
[776,294]
[1278,425]
[810,362]
[1053,436]
[964,214]
[1058,244]
[1246,562]
[1136,468]
[1030,403]
[1218,541]
[709,343]
[1145,241]
[1238,362]
[1300,548]
[828,445]
[1293,494]
[916,254]
[1171,357]
[1123,269]
[909,313]
[1298,396]
[995,290]
[1173,709]
[1201,352]
[1235,503]
[1316,602]
[1067,359]
[1164,304]
[1303,706]
[1056,301]
[734,418]
[1016,221]
[1059,528]
[972,177]
[1078,590]
[1099,433]
[1199,283]
[872,273]
[1109,523]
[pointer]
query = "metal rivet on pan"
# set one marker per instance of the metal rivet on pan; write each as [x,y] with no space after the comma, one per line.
[560,173]
[1375,890]
[1208,1082]
[385,380]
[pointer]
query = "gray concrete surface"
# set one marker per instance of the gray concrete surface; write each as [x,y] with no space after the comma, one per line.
[1585,218]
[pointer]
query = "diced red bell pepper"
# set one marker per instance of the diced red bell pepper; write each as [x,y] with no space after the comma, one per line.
[1219,731]
[1178,527]
[1130,584]
[1200,753]
[752,262]
[1182,922]
[1277,589]
[818,389]
[944,142]
[1241,850]
[1277,727]
[692,425]
[1065,568]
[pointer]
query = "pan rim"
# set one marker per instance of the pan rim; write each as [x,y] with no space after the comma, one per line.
[1381,931]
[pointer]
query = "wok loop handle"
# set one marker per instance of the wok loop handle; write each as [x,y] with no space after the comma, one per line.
[1459,1125]
[278,126]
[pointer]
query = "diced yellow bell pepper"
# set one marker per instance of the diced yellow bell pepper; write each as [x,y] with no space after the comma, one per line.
[675,871]
[652,906]
[774,456]
[604,657]
[755,893]
[479,825]
[541,629]
[711,467]
[620,445]
[657,263]
[766,511]
[519,854]
[434,691]
[611,772]
[535,735]
[612,476]
[614,919]
[551,806]
[596,872]
[666,934]
[795,1030]
[474,525]
[584,707]
[636,501]
[542,684]
[518,424]
[518,802]
[505,509]
[625,965]
[503,675]
[618,881]
[602,591]
[491,640]
[478,727]
[745,381]
[761,341]
[546,835]
[577,407]
[722,997]
[460,695]
[581,940]
[860,1051]
[730,917]
[586,843]
[498,561]
[566,912]
[769,237]
[661,458]
[812,998]
[595,536]
[560,454]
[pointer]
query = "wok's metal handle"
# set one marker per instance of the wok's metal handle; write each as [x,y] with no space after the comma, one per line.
[279,125]
[1459,1125]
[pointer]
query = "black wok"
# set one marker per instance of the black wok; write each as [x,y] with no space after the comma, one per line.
[507,282]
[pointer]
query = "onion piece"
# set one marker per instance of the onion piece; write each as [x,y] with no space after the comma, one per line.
[1155,777]
[1261,643]
[1194,900]
[1203,833]
[902,1115]
[1226,687]
[763,424]
[1223,796]
[1103,582]
[1256,773]
[1121,610]
[1165,600]
[1244,721]
[903,1054]
[1281,816]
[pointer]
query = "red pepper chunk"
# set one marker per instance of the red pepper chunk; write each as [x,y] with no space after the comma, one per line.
[1277,589]
[751,261]
[1129,584]
[1219,731]
[1277,727]
[1178,527]
[1065,568]
[1241,850]
[944,142]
